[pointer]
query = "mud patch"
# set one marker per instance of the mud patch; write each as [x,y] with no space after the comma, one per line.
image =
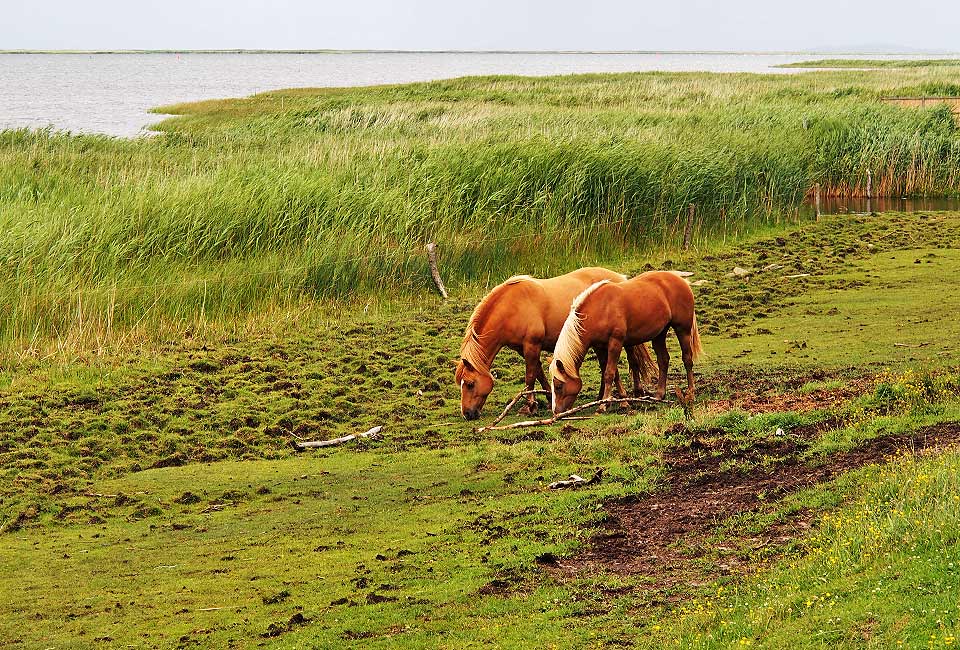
[660,536]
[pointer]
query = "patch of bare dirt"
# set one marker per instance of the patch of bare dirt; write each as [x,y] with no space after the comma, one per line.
[780,391]
[661,536]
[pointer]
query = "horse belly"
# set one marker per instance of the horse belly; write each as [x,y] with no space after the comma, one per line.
[649,316]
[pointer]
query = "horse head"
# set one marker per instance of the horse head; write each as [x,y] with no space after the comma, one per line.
[565,387]
[475,387]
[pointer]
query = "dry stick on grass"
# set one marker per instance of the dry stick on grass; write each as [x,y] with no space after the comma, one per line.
[907,345]
[373,434]
[566,415]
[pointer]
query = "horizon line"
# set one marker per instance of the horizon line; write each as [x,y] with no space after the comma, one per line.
[465,51]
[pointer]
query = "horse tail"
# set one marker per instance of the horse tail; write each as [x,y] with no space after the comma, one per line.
[695,346]
[647,364]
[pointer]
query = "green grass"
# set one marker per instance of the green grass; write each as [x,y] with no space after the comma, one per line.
[154,500]
[255,211]
[874,63]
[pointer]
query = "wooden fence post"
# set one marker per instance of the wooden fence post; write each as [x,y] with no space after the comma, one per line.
[869,184]
[688,231]
[434,271]
[816,200]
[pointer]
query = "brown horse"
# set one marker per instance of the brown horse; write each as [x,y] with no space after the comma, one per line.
[608,316]
[526,314]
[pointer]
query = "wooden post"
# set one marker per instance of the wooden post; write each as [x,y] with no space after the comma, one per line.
[869,184]
[816,200]
[434,271]
[688,231]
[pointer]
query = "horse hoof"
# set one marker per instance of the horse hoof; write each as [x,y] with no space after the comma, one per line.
[602,408]
[529,409]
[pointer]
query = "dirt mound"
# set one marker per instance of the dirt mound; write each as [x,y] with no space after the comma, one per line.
[661,535]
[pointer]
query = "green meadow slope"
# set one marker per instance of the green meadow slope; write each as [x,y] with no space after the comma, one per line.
[154,500]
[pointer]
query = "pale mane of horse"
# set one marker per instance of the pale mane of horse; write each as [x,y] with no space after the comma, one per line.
[569,346]
[473,348]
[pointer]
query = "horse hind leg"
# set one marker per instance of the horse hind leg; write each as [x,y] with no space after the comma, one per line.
[638,368]
[685,338]
[663,363]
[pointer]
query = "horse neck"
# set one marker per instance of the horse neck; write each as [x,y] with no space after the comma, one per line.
[489,343]
[571,350]
[578,359]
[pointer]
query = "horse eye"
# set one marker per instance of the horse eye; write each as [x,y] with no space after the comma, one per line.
[470,385]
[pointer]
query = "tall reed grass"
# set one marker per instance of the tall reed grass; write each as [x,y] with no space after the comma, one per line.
[249,204]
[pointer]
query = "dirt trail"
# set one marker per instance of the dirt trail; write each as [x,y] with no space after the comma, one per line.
[660,536]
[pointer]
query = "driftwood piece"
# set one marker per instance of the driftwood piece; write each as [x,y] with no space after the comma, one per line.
[372,434]
[576,481]
[434,271]
[566,415]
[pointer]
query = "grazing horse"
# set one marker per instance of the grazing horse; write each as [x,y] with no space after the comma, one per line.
[608,316]
[526,314]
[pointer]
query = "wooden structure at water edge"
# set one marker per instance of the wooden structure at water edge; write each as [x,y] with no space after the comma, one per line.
[925,102]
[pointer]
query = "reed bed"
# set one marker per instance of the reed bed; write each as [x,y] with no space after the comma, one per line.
[249,205]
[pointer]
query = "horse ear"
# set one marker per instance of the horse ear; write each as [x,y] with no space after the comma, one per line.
[560,367]
[467,365]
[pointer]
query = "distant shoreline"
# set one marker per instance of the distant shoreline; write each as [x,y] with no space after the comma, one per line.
[366,51]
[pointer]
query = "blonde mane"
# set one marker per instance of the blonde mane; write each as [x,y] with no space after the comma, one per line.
[570,348]
[473,349]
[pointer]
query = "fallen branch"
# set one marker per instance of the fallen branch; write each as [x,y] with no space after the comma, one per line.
[576,481]
[513,402]
[907,345]
[372,434]
[566,415]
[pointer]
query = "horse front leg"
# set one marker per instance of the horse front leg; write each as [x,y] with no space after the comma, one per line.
[602,355]
[534,371]
[545,384]
[610,374]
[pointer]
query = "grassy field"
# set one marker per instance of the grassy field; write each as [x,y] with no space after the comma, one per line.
[176,310]
[155,500]
[244,215]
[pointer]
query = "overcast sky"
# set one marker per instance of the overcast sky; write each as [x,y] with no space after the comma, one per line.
[768,25]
